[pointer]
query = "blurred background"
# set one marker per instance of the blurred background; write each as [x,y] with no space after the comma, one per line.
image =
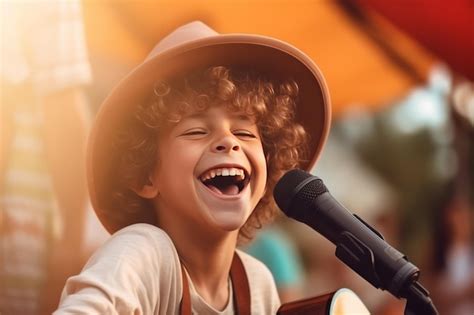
[400,153]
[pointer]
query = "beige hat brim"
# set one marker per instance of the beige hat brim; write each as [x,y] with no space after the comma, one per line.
[272,57]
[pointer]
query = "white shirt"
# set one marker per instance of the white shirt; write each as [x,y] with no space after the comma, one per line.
[137,271]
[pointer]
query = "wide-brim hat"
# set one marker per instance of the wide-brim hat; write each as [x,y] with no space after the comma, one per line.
[192,47]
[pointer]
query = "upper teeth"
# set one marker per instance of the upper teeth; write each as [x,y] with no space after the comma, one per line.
[225,171]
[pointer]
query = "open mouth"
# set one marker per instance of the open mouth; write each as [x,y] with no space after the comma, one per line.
[225,180]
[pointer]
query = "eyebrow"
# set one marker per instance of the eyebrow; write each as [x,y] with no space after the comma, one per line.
[203,115]
[195,115]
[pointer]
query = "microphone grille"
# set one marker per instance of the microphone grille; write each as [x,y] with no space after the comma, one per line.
[308,193]
[297,188]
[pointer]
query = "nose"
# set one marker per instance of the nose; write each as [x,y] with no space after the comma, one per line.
[225,144]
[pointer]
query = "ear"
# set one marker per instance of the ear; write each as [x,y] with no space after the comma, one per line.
[148,190]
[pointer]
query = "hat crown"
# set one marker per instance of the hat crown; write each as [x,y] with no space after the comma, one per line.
[183,34]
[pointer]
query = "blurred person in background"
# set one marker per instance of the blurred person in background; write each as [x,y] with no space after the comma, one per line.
[44,121]
[453,258]
[452,249]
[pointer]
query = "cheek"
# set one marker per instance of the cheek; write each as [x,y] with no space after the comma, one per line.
[262,158]
[180,155]
[173,165]
[175,178]
[260,163]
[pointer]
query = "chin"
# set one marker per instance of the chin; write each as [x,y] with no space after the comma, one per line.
[230,222]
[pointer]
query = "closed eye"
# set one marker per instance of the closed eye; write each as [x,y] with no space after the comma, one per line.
[194,132]
[246,134]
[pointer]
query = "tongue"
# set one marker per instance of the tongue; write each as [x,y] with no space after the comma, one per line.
[226,190]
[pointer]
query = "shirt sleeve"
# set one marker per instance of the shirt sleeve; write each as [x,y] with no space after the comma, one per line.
[135,272]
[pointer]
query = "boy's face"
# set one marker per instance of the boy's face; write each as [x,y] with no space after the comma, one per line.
[211,170]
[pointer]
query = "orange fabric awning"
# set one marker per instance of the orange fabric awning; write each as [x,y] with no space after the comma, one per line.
[358,72]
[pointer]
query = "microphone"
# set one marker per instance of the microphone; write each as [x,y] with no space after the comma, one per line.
[304,197]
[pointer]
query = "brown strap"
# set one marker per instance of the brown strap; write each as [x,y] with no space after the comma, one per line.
[185,306]
[240,286]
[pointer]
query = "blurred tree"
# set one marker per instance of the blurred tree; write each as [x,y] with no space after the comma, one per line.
[411,145]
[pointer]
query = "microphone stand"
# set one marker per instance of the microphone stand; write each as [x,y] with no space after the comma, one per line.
[418,300]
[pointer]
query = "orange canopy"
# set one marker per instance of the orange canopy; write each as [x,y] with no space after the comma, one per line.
[357,70]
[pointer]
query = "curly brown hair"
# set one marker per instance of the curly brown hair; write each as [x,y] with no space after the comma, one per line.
[269,102]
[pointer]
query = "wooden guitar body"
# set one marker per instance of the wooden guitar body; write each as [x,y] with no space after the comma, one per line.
[340,302]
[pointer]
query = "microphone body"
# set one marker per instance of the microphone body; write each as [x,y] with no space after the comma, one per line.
[304,197]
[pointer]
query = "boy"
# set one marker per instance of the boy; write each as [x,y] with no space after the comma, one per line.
[183,158]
